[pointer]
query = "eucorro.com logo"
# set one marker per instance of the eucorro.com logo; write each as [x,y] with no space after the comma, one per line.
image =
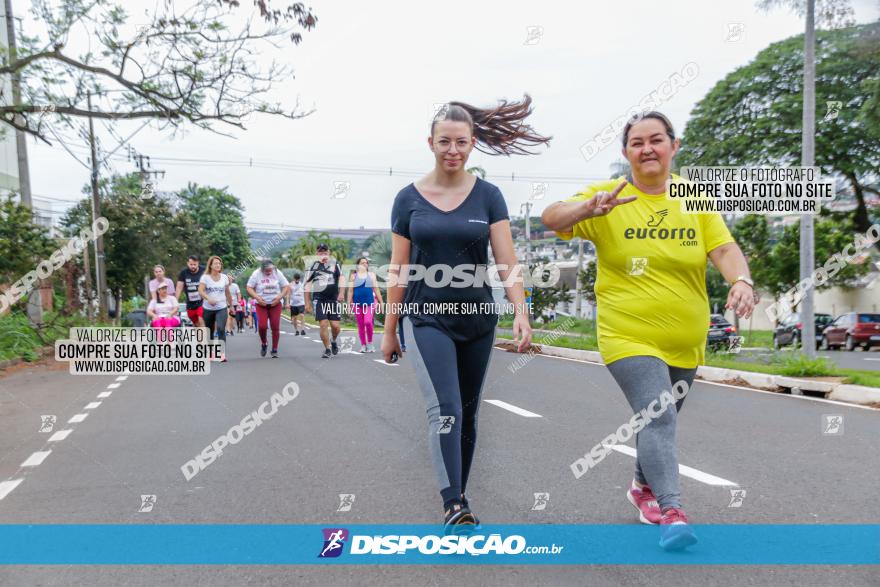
[335,538]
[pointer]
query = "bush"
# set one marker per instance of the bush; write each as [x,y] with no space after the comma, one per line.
[19,339]
[798,364]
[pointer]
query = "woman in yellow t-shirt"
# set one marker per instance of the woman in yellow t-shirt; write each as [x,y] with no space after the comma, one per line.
[652,302]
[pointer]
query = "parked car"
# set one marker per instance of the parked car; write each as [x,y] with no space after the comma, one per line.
[851,330]
[721,332]
[136,318]
[789,332]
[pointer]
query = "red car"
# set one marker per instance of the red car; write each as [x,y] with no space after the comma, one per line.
[851,330]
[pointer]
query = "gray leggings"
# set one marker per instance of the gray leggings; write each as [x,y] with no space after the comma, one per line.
[642,380]
[451,376]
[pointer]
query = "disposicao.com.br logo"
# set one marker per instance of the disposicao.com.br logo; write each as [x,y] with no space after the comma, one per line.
[334,540]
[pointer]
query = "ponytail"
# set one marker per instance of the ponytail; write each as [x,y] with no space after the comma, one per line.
[500,130]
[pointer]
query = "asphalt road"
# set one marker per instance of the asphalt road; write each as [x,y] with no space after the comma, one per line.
[358,428]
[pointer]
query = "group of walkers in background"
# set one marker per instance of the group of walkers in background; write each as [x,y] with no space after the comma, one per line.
[213,300]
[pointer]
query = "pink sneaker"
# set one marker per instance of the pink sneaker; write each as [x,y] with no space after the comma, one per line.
[644,501]
[676,533]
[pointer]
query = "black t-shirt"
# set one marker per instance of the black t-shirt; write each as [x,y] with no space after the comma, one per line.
[459,239]
[191,286]
[324,280]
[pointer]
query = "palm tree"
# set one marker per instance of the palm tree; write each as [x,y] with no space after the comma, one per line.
[477,170]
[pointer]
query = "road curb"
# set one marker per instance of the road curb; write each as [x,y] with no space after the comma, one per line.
[855,394]
[858,394]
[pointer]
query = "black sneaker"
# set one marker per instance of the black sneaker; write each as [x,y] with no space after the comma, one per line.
[296,333]
[459,520]
[263,348]
[465,503]
[327,354]
[334,348]
[303,332]
[274,353]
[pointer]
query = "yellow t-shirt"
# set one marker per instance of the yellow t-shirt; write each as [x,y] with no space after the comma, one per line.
[651,281]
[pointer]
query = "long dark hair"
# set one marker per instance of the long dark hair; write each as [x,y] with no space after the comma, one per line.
[500,130]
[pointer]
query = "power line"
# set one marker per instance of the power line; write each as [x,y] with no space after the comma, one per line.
[326,169]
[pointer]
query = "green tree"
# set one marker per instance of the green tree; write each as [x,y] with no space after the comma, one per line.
[23,244]
[194,64]
[340,249]
[379,246]
[142,232]
[752,234]
[831,237]
[588,282]
[753,116]
[477,170]
[717,290]
[546,298]
[219,214]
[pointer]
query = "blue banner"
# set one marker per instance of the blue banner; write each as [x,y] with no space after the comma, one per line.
[266,544]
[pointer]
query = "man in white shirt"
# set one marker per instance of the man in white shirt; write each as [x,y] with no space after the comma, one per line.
[297,303]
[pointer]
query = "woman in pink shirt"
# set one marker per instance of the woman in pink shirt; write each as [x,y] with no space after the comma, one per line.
[162,311]
[158,278]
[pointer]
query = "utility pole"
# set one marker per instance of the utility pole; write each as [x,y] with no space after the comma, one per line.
[88,273]
[808,156]
[24,178]
[35,297]
[578,284]
[147,173]
[100,271]
[528,207]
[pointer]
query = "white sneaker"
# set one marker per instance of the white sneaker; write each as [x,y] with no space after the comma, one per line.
[372,348]
[364,348]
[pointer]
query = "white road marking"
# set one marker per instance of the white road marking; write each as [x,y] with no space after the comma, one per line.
[6,487]
[77,418]
[867,359]
[113,386]
[105,394]
[60,435]
[512,408]
[92,405]
[682,469]
[382,362]
[122,378]
[36,458]
[316,340]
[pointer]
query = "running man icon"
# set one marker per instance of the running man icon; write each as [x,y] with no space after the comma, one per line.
[446,423]
[333,542]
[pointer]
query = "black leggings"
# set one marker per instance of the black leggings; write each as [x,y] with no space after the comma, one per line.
[215,320]
[451,376]
[239,320]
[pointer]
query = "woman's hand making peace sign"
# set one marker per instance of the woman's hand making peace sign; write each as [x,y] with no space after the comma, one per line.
[604,202]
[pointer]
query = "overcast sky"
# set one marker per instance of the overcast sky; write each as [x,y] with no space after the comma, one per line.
[374,70]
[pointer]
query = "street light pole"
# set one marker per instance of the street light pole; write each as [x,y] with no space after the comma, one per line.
[528,207]
[577,281]
[808,157]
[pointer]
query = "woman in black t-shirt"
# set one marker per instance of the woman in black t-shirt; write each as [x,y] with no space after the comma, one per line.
[441,227]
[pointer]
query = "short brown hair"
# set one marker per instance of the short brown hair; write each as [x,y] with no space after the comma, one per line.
[670,131]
